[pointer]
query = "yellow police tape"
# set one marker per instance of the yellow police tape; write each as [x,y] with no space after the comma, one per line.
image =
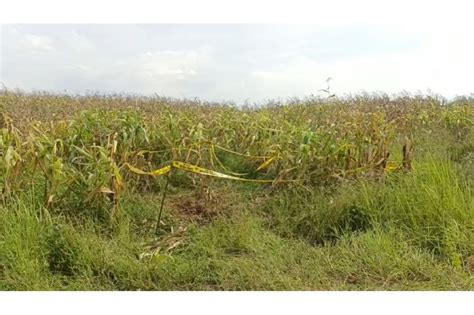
[197,170]
[392,166]
[203,171]
[158,172]
[215,158]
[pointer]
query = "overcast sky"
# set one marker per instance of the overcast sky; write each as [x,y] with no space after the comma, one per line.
[237,62]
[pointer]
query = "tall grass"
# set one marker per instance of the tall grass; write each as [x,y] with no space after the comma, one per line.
[433,207]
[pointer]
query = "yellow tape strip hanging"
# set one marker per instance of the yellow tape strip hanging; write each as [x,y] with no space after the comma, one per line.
[203,171]
[161,171]
[265,164]
[216,158]
[197,170]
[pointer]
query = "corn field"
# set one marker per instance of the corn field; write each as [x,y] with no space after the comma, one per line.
[77,149]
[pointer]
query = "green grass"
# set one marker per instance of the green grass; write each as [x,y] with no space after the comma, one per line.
[411,232]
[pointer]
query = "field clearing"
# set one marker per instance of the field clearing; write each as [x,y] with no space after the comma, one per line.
[368,192]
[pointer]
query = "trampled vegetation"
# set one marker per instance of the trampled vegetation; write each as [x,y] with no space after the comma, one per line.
[365,192]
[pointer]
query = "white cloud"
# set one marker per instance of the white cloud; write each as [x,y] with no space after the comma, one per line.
[442,63]
[239,62]
[37,44]
[169,63]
